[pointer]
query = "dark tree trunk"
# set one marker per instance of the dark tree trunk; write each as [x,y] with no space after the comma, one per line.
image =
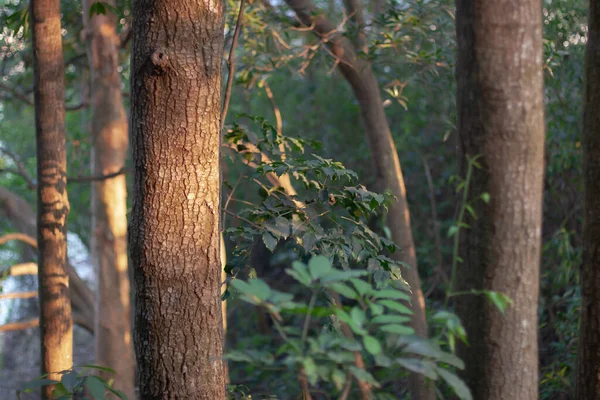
[174,232]
[588,367]
[500,118]
[56,324]
[114,347]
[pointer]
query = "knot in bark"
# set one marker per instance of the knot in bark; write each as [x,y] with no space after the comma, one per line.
[160,60]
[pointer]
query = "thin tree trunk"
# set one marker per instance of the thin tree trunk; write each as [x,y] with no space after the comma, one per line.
[359,75]
[114,347]
[175,230]
[56,324]
[588,366]
[501,118]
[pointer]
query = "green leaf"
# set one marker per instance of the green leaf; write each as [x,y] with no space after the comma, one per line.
[419,366]
[310,369]
[319,266]
[343,289]
[398,329]
[486,198]
[372,345]
[363,376]
[470,210]
[59,390]
[459,387]
[96,387]
[390,319]
[391,294]
[338,275]
[500,300]
[259,289]
[69,380]
[358,316]
[118,393]
[281,227]
[363,288]
[269,240]
[395,306]
[98,367]
[299,272]
[30,386]
[254,288]
[452,231]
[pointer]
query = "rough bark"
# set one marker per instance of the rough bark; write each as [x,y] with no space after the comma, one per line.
[500,118]
[359,74]
[175,231]
[56,325]
[114,347]
[588,366]
[23,218]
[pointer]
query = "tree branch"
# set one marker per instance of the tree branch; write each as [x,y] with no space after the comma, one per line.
[18,295]
[21,170]
[23,269]
[231,63]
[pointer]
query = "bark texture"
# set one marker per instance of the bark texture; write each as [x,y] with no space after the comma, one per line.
[588,367]
[175,231]
[359,74]
[500,118]
[56,325]
[114,346]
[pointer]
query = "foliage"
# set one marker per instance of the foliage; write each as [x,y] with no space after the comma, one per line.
[317,348]
[75,382]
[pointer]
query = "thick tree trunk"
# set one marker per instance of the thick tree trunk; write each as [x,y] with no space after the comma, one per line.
[114,347]
[588,367]
[359,75]
[175,230]
[56,325]
[500,117]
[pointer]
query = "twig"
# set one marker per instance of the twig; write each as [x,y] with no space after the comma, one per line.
[19,236]
[124,39]
[27,100]
[83,179]
[304,384]
[234,215]
[347,386]
[364,387]
[275,108]
[21,170]
[18,295]
[23,269]
[231,63]
[19,326]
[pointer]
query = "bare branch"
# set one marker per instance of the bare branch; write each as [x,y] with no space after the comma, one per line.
[21,170]
[231,63]
[18,295]
[84,179]
[23,269]
[18,236]
[19,326]
[35,322]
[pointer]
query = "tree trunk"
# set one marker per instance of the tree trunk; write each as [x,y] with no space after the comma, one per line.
[359,75]
[56,325]
[175,230]
[588,368]
[114,347]
[501,118]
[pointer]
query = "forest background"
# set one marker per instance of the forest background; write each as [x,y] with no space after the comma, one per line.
[287,80]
